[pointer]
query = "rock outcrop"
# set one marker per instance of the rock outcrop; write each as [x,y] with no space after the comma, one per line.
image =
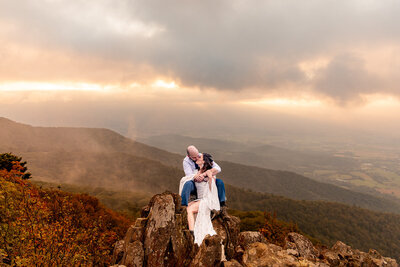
[161,238]
[301,246]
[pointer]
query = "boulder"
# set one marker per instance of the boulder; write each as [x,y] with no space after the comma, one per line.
[343,255]
[165,241]
[374,258]
[228,228]
[342,249]
[231,263]
[160,226]
[302,245]
[248,237]
[261,254]
[134,256]
[118,252]
[210,252]
[331,257]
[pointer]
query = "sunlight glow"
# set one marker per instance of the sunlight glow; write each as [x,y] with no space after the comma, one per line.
[164,84]
[381,104]
[281,102]
[42,86]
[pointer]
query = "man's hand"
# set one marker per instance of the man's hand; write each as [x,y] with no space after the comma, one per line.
[198,177]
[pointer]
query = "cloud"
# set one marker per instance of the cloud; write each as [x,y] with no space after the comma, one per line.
[225,45]
[345,79]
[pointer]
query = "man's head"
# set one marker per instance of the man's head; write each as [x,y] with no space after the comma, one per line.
[192,152]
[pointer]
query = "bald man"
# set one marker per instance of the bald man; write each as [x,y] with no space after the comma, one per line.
[190,167]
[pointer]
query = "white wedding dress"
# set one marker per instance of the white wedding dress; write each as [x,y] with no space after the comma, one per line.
[208,201]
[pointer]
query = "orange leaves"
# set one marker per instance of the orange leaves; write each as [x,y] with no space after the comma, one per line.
[45,227]
[275,230]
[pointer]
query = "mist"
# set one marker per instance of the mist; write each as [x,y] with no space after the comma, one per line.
[212,117]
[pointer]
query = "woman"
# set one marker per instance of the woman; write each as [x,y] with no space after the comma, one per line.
[207,200]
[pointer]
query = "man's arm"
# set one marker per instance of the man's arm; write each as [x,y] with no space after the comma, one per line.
[216,168]
[187,168]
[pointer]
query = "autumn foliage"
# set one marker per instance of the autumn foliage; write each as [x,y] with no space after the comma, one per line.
[46,227]
[276,230]
[7,162]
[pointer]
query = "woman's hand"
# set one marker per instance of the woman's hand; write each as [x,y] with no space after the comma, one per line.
[210,177]
[199,177]
[209,173]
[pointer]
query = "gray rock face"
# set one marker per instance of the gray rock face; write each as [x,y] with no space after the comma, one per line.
[227,227]
[249,237]
[343,255]
[160,227]
[302,244]
[262,254]
[210,252]
[161,238]
[134,255]
[118,252]
[231,263]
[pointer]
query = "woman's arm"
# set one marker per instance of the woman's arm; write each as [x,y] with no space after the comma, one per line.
[210,175]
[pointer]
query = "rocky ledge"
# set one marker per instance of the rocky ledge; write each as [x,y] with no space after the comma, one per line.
[161,238]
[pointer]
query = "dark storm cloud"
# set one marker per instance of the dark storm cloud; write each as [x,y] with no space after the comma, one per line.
[227,45]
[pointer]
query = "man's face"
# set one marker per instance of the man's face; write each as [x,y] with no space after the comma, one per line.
[194,156]
[200,160]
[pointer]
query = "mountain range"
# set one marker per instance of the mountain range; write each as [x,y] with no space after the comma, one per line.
[101,157]
[348,164]
[253,153]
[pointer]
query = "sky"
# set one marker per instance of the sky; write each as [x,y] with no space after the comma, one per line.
[202,67]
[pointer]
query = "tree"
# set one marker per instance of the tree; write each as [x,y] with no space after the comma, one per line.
[7,161]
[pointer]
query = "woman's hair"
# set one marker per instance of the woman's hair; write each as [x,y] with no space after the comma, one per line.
[208,162]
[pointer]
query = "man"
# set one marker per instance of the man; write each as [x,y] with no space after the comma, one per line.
[190,167]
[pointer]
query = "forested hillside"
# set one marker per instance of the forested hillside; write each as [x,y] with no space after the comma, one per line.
[103,158]
[328,221]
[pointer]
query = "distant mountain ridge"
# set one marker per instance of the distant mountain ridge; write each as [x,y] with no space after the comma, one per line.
[101,157]
[341,169]
[251,153]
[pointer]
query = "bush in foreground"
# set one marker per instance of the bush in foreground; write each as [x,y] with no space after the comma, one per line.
[51,227]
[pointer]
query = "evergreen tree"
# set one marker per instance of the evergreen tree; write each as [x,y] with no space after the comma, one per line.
[6,163]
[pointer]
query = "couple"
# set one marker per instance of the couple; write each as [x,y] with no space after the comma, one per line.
[200,171]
